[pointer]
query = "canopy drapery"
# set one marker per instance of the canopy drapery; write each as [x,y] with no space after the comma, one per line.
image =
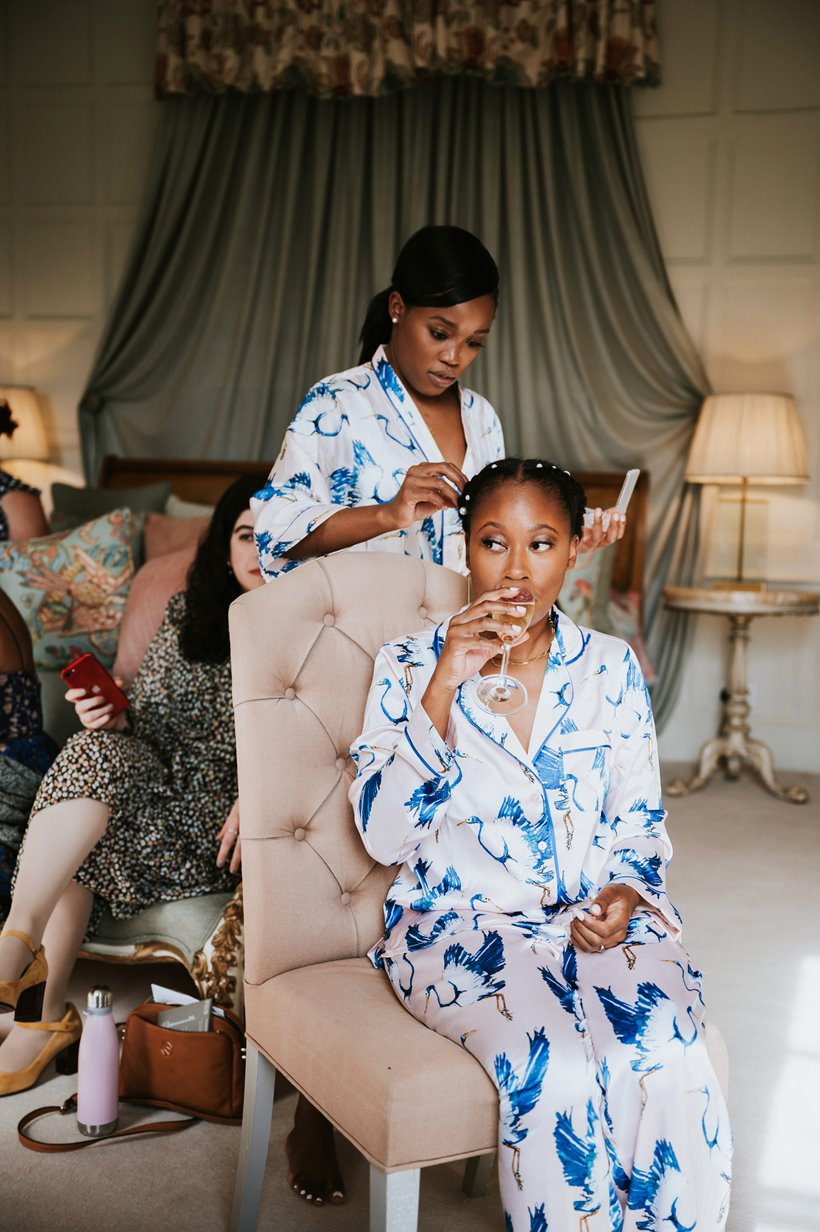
[372,47]
[269,222]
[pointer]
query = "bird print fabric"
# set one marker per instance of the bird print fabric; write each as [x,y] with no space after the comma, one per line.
[351,443]
[611,1118]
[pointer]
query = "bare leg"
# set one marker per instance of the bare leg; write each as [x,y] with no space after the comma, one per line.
[57,842]
[50,907]
[63,935]
[313,1170]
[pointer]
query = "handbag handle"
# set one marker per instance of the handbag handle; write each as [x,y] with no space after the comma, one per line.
[69,1106]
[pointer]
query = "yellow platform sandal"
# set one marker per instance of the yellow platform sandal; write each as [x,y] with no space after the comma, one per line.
[25,996]
[62,1043]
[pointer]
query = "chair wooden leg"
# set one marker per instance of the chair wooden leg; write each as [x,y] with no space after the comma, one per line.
[394,1200]
[260,1077]
[477,1172]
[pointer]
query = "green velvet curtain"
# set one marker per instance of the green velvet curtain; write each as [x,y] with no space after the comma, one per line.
[270,220]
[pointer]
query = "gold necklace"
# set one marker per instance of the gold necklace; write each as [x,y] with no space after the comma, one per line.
[534,659]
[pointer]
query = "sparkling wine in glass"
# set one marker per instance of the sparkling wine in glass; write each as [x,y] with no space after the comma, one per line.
[502,693]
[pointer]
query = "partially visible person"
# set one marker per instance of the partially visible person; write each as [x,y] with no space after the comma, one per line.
[376,456]
[21,514]
[138,808]
[26,751]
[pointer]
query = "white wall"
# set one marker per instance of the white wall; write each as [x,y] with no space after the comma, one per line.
[731,151]
[77,117]
[731,147]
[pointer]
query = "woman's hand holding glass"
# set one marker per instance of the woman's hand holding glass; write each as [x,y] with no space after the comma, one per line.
[473,638]
[94,712]
[427,488]
[605,923]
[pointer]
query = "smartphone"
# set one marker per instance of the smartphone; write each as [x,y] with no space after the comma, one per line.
[627,488]
[88,673]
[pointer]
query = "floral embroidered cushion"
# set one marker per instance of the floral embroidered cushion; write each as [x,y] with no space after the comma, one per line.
[585,593]
[71,587]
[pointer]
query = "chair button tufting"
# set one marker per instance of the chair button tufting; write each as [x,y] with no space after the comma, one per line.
[423,612]
[299,834]
[340,763]
[290,694]
[329,619]
[345,899]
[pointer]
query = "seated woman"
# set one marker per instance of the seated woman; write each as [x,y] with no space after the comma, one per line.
[529,920]
[26,751]
[130,811]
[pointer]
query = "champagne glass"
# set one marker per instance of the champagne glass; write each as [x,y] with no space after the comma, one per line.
[502,693]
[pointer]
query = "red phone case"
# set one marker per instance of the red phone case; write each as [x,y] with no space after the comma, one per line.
[88,673]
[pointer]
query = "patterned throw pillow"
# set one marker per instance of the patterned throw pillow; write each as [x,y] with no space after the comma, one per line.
[584,596]
[71,587]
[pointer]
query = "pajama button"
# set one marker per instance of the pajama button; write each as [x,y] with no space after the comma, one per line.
[423,613]
[299,835]
[345,899]
[340,763]
[290,694]
[542,846]
[330,619]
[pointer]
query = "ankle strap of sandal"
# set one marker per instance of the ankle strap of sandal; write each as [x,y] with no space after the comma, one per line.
[24,937]
[66,1024]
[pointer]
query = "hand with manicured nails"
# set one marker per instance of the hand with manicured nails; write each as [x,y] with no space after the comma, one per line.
[425,491]
[595,536]
[94,712]
[228,837]
[606,921]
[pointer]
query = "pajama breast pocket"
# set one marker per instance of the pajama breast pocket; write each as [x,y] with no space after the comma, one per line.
[586,758]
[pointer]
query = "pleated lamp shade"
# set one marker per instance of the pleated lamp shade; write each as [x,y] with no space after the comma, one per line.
[756,437]
[29,440]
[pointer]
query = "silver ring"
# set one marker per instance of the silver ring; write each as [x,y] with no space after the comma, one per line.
[601,950]
[232,831]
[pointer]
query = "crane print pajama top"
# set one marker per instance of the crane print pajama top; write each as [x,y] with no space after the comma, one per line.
[351,443]
[611,1116]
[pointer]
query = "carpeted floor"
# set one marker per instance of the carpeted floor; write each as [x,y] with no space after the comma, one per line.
[745,878]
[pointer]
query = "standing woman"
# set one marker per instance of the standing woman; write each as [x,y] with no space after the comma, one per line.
[375,456]
[374,459]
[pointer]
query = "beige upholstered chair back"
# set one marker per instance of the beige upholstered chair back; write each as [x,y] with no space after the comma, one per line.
[302,650]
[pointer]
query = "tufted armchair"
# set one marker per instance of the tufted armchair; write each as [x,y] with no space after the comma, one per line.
[302,653]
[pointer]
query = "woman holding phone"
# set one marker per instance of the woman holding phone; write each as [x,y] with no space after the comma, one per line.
[134,806]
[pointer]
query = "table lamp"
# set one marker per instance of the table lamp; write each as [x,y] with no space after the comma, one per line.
[747,438]
[29,440]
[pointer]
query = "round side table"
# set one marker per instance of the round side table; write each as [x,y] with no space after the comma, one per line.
[733,745]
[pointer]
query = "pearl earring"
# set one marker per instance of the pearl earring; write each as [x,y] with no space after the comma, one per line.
[395,320]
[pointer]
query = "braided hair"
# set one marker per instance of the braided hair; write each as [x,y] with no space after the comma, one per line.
[550,478]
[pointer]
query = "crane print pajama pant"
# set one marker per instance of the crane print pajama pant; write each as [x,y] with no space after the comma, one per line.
[611,1117]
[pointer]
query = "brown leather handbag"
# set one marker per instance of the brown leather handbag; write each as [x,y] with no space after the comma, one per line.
[199,1073]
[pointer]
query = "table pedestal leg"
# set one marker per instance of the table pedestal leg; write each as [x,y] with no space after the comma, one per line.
[733,746]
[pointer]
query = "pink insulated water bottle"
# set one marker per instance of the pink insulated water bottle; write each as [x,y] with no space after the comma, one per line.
[97,1082]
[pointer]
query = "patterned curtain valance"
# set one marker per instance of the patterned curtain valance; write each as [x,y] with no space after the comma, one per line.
[371,47]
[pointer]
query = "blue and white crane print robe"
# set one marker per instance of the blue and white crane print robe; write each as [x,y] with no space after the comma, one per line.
[351,443]
[611,1115]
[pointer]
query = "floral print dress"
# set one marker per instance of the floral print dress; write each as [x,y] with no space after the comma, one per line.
[169,780]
